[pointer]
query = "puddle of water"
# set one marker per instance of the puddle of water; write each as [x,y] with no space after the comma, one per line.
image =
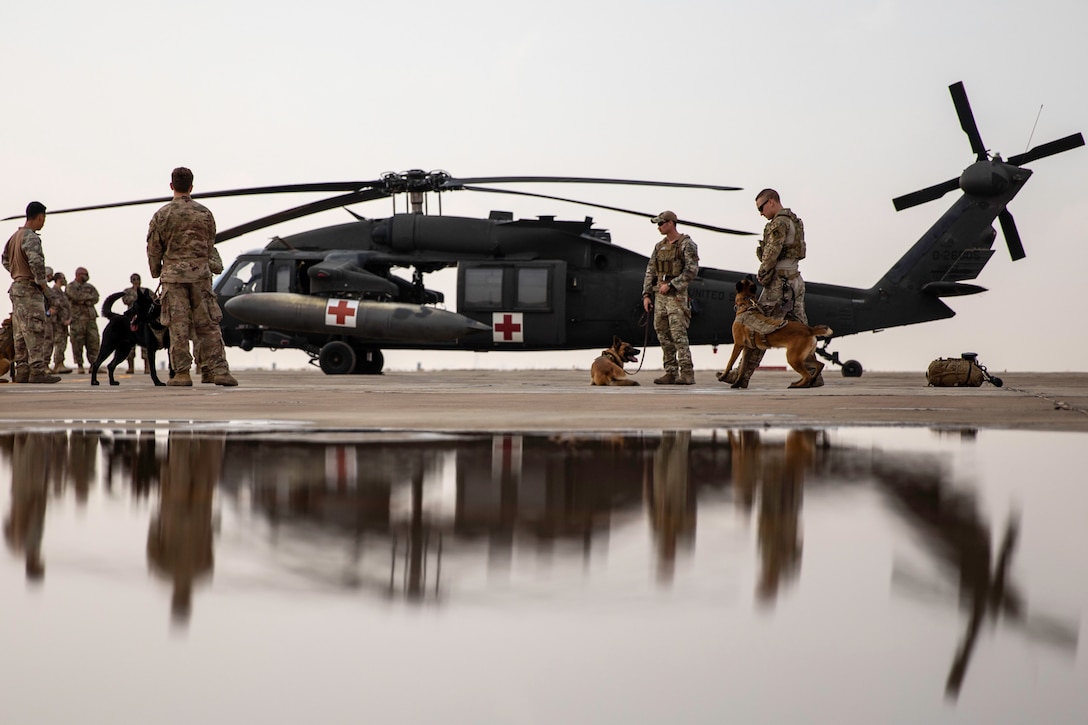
[757,576]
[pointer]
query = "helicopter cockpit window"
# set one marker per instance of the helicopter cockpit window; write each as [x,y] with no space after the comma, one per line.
[244,276]
[532,288]
[483,287]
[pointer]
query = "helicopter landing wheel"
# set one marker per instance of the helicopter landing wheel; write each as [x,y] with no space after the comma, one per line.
[337,358]
[852,369]
[369,361]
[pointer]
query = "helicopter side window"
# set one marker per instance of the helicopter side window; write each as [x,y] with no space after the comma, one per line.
[532,288]
[483,287]
[243,277]
[284,275]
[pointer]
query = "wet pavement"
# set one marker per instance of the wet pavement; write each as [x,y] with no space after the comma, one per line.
[179,571]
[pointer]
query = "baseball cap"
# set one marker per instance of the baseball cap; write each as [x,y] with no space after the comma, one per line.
[665,216]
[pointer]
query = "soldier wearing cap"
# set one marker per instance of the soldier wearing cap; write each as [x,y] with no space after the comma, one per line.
[84,328]
[61,309]
[24,258]
[672,266]
[783,296]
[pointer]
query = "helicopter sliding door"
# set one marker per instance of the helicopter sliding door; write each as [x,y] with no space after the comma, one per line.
[523,302]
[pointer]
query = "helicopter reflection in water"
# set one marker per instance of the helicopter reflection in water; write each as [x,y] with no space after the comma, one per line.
[411,518]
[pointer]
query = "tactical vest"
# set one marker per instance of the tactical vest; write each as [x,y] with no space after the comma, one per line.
[669,259]
[19,264]
[794,248]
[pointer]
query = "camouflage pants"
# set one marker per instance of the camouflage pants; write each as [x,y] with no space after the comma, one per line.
[60,342]
[784,297]
[191,312]
[672,315]
[29,326]
[84,334]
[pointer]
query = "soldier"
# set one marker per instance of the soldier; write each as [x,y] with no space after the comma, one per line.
[783,296]
[181,250]
[129,298]
[23,257]
[84,327]
[61,310]
[672,266]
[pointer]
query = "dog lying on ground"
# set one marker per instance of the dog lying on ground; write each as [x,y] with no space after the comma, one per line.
[798,339]
[7,348]
[608,368]
[139,325]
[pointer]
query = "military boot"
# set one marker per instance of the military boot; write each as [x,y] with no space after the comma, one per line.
[181,379]
[752,358]
[666,379]
[21,373]
[60,369]
[686,378]
[43,377]
[207,376]
[730,377]
[224,378]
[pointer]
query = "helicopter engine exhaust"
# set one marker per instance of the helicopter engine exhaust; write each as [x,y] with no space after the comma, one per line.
[375,321]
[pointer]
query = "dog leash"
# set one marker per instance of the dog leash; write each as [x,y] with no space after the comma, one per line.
[644,321]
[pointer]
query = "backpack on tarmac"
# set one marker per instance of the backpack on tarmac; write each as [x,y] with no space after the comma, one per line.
[964,371]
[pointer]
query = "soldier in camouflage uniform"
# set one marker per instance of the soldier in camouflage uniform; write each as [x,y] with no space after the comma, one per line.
[23,257]
[84,328]
[61,311]
[672,266]
[783,296]
[181,250]
[129,298]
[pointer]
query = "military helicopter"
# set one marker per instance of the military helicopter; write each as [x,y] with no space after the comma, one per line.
[547,284]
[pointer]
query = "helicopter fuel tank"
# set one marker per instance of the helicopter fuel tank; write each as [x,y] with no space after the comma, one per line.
[355,318]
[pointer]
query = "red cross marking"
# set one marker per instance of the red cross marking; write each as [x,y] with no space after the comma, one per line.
[341,310]
[507,327]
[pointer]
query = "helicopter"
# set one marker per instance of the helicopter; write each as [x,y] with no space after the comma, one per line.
[549,284]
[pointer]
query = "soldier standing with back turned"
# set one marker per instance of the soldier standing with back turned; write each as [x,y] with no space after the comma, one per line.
[672,266]
[181,251]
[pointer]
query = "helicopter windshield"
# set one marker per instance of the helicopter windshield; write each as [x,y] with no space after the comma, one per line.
[243,277]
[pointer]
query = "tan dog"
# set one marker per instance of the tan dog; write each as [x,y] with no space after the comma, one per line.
[798,339]
[7,348]
[608,368]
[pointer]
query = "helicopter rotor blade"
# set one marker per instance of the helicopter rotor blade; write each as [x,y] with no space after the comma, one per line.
[300,211]
[967,119]
[697,225]
[923,195]
[1012,236]
[454,184]
[1047,149]
[281,189]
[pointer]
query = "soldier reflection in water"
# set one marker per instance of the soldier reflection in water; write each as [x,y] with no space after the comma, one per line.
[24,527]
[780,543]
[179,542]
[670,501]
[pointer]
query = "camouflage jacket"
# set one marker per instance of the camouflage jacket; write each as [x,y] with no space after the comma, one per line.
[181,242]
[84,298]
[59,302]
[30,254]
[686,254]
[783,239]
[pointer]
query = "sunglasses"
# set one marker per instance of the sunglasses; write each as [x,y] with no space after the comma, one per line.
[760,207]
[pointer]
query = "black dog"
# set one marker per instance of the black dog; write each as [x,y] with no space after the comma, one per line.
[139,325]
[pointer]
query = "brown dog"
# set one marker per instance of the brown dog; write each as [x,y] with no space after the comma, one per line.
[7,348]
[608,368]
[798,339]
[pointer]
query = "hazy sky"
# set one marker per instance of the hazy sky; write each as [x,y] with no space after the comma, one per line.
[841,106]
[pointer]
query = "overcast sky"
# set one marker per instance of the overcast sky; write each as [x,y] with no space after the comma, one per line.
[840,105]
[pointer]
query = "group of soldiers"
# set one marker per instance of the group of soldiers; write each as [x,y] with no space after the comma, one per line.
[674,263]
[180,252]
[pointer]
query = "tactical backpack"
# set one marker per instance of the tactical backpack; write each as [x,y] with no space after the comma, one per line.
[964,371]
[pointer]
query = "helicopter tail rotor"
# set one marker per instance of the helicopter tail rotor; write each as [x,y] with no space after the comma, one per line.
[988,176]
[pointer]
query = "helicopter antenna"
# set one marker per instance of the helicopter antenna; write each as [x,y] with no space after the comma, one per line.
[1032,134]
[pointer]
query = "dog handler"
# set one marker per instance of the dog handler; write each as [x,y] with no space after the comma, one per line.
[783,296]
[672,266]
[181,250]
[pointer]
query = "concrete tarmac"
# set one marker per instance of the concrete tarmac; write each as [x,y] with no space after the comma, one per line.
[547,400]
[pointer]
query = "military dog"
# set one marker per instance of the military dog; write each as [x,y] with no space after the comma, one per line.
[608,369]
[798,339]
[138,325]
[7,348]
